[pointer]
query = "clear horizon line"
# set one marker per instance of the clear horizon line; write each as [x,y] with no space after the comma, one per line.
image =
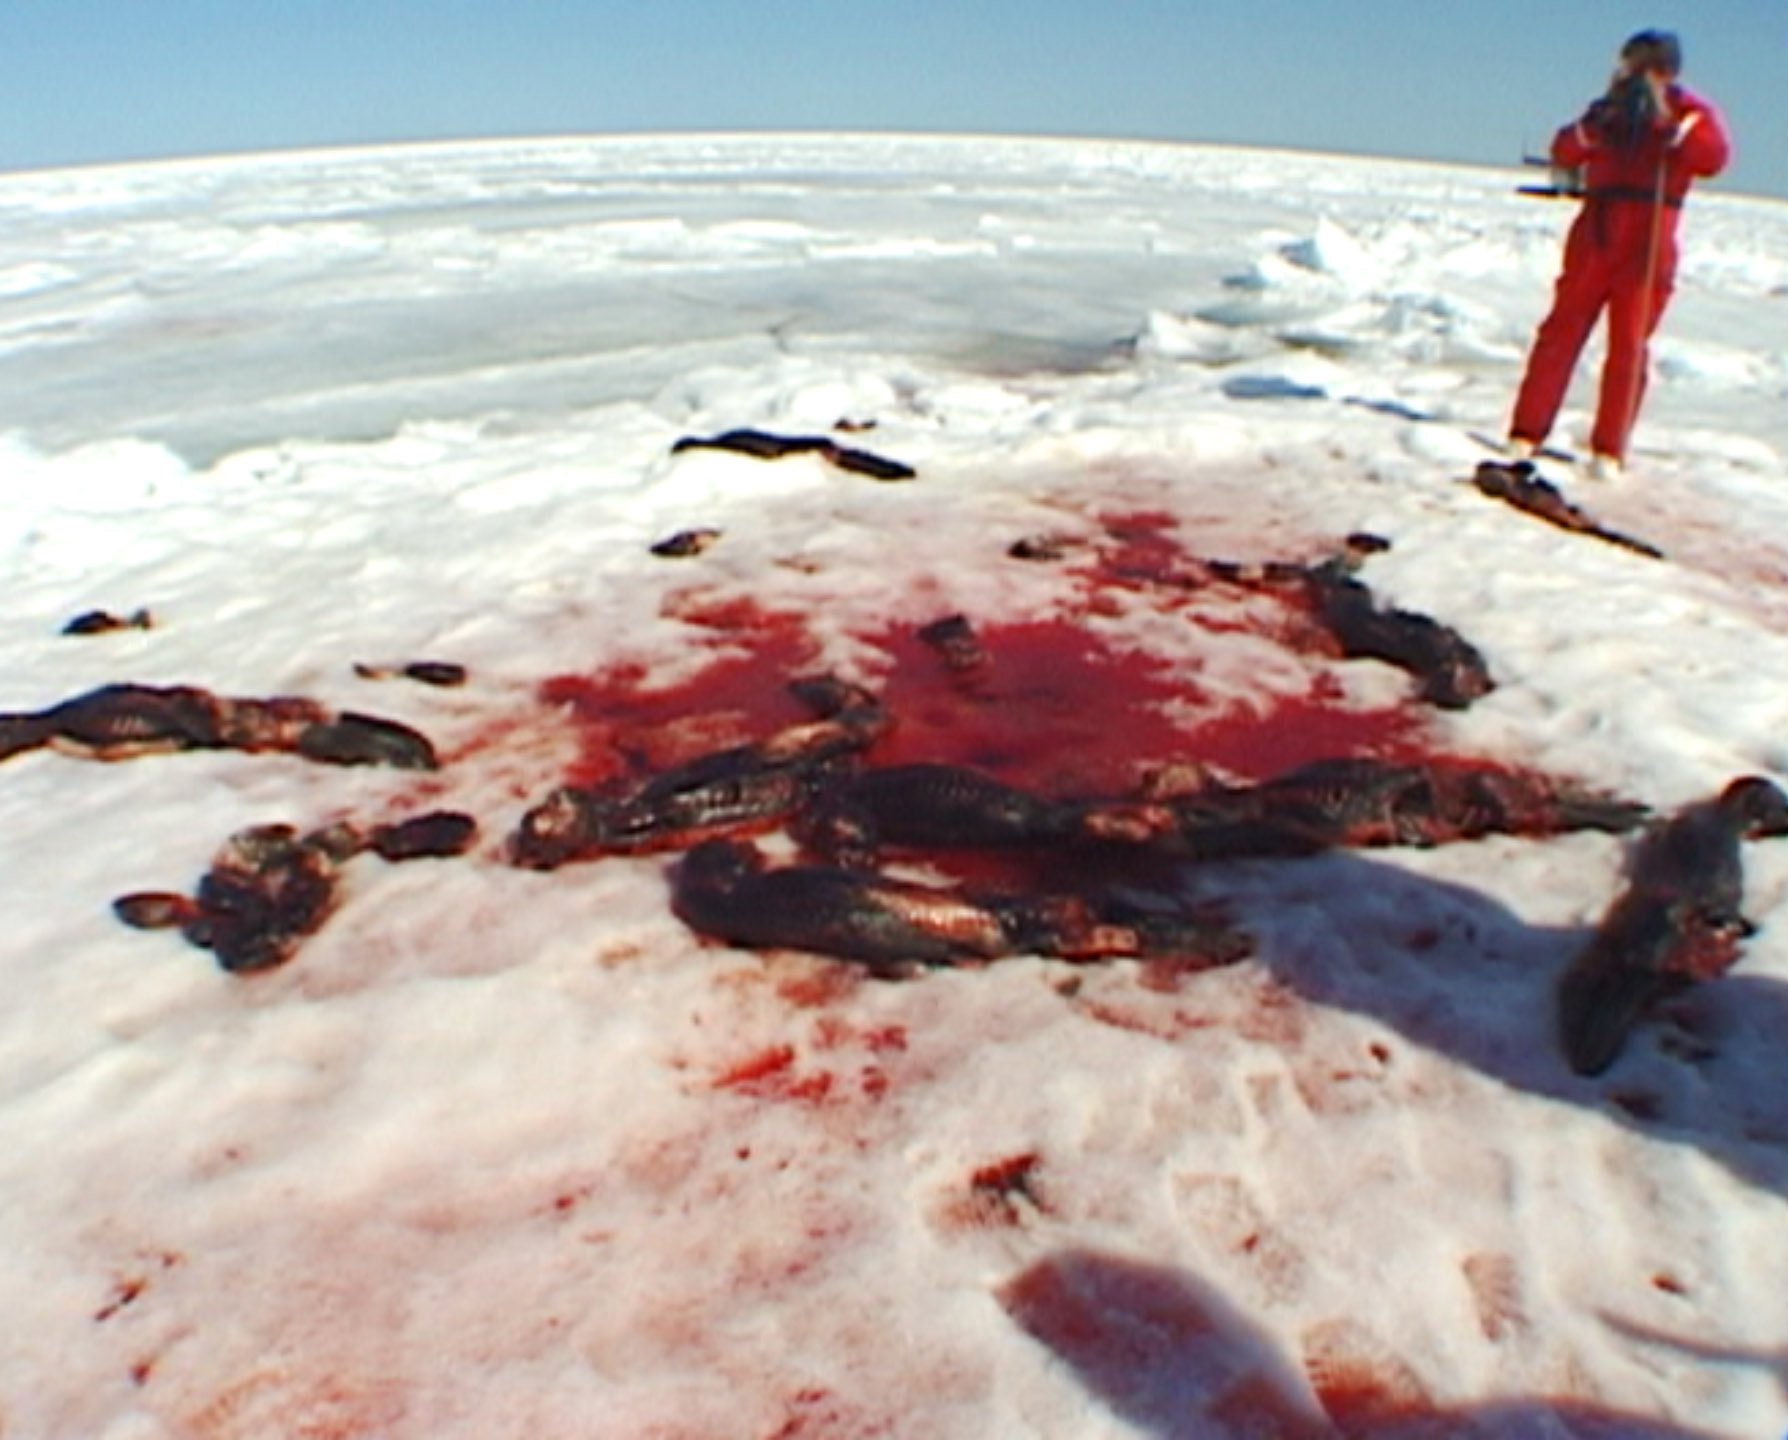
[298,150]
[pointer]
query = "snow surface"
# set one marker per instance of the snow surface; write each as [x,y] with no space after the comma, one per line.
[505,1153]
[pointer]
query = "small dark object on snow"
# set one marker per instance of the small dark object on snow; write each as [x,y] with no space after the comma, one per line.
[103,622]
[1679,920]
[762,445]
[438,834]
[1522,486]
[444,674]
[954,639]
[354,739]
[685,543]
[1041,547]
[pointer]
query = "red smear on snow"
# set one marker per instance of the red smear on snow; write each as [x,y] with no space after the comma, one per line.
[1000,1191]
[627,724]
[813,987]
[834,1032]
[773,1074]
[754,1071]
[1144,550]
[998,1196]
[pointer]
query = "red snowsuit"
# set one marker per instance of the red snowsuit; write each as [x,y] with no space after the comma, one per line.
[1621,255]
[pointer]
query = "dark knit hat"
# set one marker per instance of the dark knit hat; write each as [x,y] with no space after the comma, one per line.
[1656,50]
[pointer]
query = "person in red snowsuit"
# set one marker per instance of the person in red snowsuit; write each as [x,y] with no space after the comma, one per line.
[1638,147]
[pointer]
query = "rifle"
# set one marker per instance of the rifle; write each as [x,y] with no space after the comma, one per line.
[1567,180]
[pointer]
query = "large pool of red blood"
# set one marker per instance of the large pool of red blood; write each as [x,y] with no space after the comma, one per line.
[1052,708]
[1058,710]
[1055,707]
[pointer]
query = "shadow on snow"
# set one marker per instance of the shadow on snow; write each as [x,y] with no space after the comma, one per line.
[1457,973]
[1170,1355]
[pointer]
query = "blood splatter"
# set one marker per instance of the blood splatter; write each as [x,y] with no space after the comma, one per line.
[834,1032]
[817,1412]
[125,1292]
[998,1196]
[1001,1185]
[770,1074]
[128,1289]
[755,1069]
[1144,550]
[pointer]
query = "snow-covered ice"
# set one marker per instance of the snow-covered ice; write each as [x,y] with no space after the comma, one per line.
[504,1153]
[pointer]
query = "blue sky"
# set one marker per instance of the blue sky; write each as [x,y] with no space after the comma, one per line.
[101,80]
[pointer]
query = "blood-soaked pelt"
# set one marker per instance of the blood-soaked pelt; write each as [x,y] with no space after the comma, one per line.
[1449,669]
[744,787]
[1361,802]
[1678,921]
[928,806]
[119,722]
[269,887]
[1522,486]
[724,889]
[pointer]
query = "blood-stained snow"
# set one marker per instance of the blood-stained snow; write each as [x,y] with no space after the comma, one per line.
[514,1153]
